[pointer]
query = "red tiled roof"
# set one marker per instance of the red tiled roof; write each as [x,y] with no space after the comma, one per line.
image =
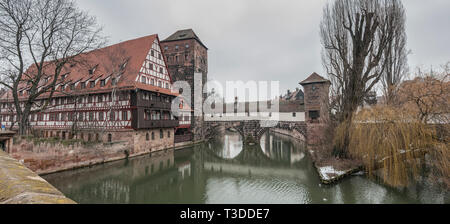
[105,60]
[313,78]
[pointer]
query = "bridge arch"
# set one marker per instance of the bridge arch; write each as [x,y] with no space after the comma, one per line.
[250,130]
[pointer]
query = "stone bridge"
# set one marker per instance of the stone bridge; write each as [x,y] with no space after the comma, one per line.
[251,130]
[309,114]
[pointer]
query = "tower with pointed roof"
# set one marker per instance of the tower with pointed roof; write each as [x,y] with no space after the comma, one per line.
[186,55]
[316,90]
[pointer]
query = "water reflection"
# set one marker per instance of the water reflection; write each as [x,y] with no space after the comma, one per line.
[226,171]
[227,146]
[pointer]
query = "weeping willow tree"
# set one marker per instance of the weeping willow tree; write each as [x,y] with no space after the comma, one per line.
[393,145]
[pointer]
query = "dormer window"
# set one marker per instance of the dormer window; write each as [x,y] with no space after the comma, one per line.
[123,65]
[83,85]
[92,70]
[46,80]
[102,82]
[63,87]
[92,84]
[72,86]
[20,93]
[113,81]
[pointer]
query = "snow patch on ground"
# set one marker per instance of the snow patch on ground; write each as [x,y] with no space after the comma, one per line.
[328,172]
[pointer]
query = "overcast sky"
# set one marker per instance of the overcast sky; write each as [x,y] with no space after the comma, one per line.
[262,40]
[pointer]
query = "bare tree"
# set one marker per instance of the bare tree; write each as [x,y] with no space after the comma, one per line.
[48,35]
[396,57]
[356,35]
[427,95]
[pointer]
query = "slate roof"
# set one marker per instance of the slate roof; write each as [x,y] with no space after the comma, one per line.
[295,95]
[104,60]
[183,35]
[314,78]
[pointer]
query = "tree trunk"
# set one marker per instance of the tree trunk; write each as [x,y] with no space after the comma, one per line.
[23,125]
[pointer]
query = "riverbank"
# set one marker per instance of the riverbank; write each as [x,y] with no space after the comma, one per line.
[331,169]
[47,156]
[19,185]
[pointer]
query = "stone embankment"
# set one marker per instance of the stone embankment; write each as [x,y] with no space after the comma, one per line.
[19,185]
[45,156]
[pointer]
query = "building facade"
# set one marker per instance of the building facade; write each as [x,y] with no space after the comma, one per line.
[187,55]
[316,97]
[114,94]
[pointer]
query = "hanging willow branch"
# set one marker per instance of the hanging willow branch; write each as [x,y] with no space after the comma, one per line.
[392,144]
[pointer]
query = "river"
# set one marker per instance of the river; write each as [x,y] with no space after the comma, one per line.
[224,171]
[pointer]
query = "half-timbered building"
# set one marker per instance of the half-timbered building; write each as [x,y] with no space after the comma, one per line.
[118,93]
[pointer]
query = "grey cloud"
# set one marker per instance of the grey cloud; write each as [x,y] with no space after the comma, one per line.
[262,40]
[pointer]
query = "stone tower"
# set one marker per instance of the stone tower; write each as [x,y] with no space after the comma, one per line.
[316,90]
[186,55]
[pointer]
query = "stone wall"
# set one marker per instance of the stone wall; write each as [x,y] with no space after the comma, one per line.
[50,156]
[45,156]
[317,134]
[19,185]
[144,145]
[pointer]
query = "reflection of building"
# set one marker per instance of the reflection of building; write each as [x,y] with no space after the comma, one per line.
[184,169]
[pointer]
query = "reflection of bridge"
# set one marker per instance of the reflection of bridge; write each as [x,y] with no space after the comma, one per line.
[251,130]
[260,161]
[273,151]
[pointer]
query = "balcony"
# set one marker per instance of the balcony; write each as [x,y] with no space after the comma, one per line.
[161,105]
[154,104]
[158,124]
